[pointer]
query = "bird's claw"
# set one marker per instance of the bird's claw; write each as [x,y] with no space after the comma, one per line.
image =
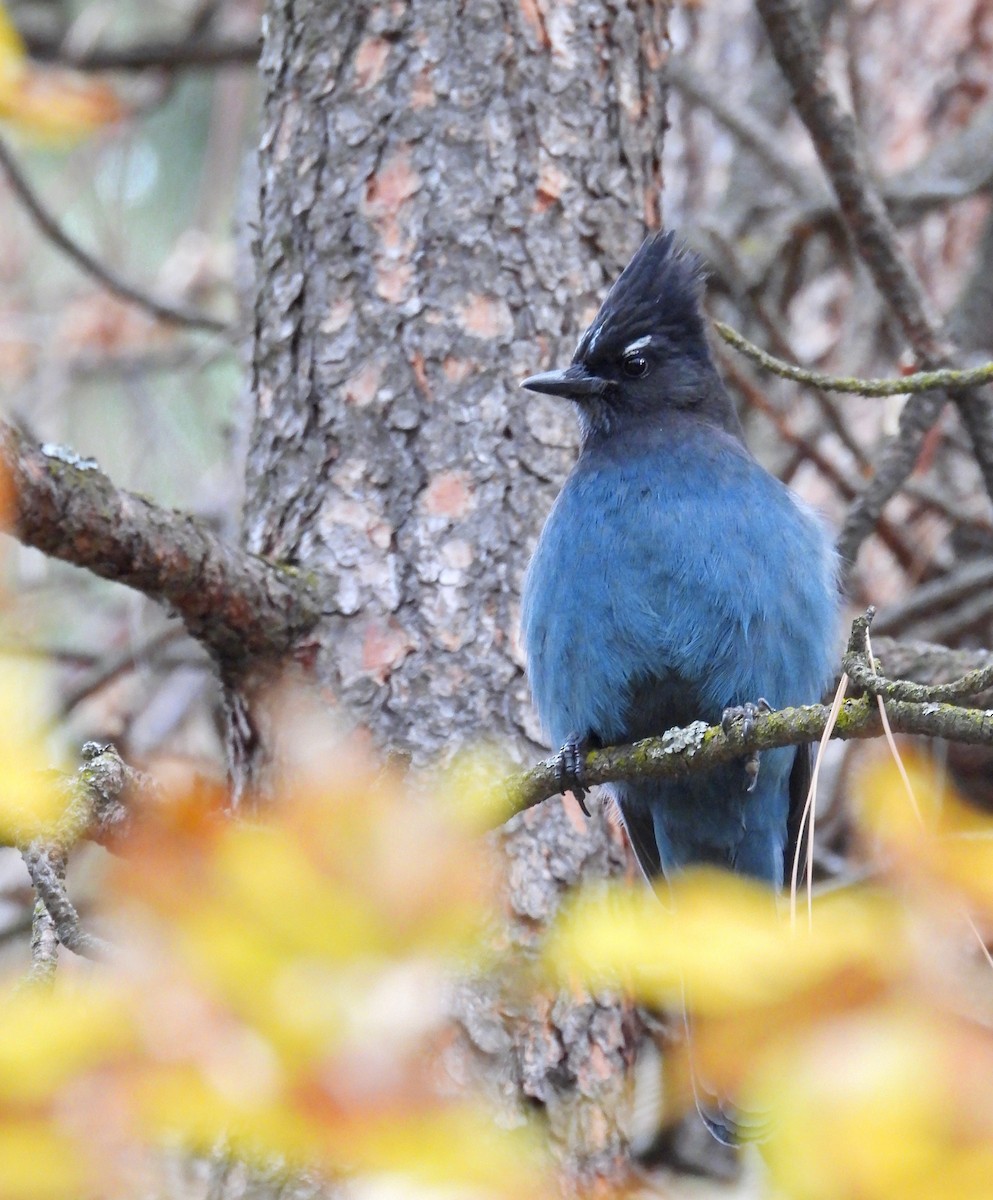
[746,714]
[570,762]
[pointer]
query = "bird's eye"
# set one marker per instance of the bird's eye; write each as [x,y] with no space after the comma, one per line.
[635,365]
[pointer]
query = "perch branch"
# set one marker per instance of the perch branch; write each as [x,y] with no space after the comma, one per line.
[698,747]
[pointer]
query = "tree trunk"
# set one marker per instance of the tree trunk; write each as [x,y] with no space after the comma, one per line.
[446,189]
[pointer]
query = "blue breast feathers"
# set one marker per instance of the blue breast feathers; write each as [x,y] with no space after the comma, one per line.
[674,556]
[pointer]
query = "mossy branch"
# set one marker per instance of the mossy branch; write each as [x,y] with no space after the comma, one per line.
[913,708]
[98,806]
[681,752]
[921,381]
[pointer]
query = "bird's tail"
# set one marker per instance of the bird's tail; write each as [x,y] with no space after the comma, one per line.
[726,1121]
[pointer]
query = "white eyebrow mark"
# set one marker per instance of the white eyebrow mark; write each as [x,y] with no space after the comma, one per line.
[640,344]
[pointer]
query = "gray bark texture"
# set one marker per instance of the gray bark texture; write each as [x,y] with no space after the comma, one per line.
[445,190]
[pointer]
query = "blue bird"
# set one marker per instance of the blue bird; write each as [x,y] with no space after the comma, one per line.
[675,580]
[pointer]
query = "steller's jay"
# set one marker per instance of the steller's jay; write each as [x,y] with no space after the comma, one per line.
[675,580]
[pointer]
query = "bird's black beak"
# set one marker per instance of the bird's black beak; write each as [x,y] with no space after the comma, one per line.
[574,383]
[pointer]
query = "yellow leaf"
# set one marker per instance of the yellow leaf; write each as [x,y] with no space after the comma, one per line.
[449,1145]
[48,104]
[893,1103]
[37,1162]
[937,839]
[722,941]
[53,107]
[30,803]
[270,881]
[12,49]
[47,1038]
[183,1103]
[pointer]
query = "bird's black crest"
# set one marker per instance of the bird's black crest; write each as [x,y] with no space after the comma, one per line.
[659,291]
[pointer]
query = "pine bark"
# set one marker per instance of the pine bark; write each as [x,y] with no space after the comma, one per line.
[445,191]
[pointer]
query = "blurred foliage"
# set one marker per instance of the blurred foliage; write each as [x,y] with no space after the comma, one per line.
[280,987]
[864,1033]
[49,105]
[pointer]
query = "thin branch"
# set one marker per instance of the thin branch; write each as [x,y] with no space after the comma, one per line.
[98,805]
[44,947]
[238,605]
[188,54]
[796,47]
[966,688]
[926,661]
[920,381]
[52,230]
[969,616]
[938,596]
[895,463]
[749,293]
[808,451]
[957,165]
[47,867]
[107,670]
[860,664]
[751,130]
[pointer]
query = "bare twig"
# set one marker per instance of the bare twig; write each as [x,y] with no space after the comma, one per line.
[238,605]
[106,671]
[46,865]
[92,266]
[98,805]
[194,53]
[957,165]
[797,49]
[970,616]
[751,130]
[863,676]
[938,596]
[861,666]
[749,293]
[795,45]
[808,451]
[44,946]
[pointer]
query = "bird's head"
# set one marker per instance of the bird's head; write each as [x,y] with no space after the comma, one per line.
[646,349]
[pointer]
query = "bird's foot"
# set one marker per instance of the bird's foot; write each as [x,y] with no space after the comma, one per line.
[570,762]
[746,714]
